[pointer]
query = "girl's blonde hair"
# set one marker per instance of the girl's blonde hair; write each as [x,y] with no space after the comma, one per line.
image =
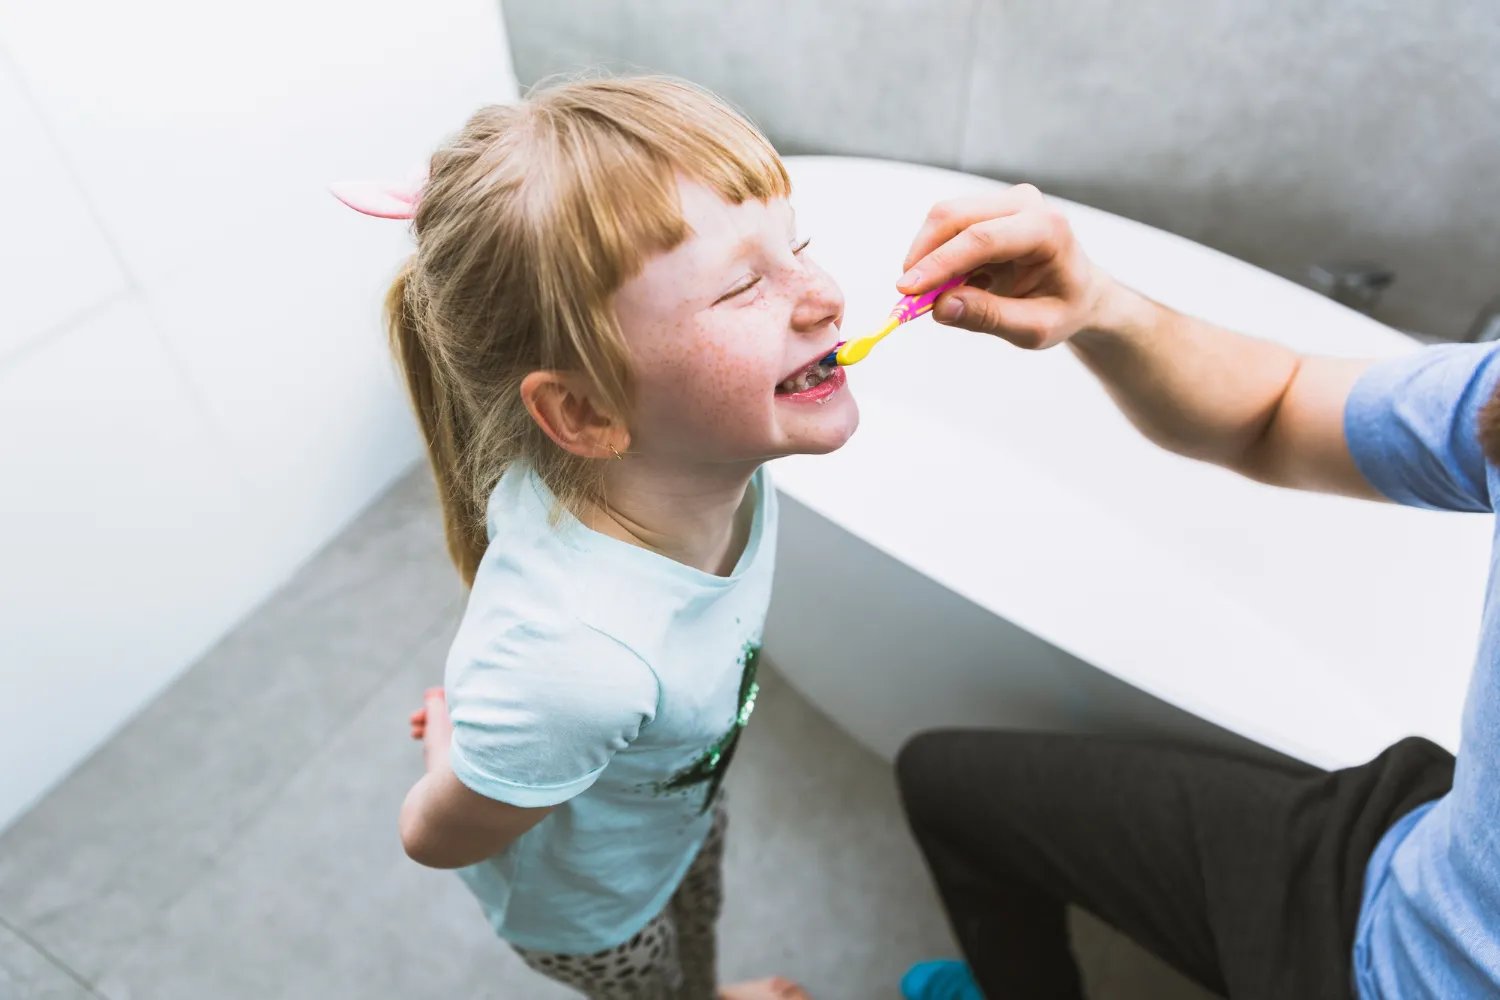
[533,217]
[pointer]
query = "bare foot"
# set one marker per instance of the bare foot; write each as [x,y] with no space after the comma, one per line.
[431,725]
[775,988]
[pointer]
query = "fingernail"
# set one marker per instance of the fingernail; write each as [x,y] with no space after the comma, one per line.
[909,278]
[950,309]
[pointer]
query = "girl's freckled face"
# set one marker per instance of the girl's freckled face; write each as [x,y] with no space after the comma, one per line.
[716,324]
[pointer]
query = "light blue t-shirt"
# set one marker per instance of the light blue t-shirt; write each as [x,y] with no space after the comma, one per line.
[611,682]
[1429,924]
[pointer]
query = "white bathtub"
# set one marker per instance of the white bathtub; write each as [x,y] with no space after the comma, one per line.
[1015,554]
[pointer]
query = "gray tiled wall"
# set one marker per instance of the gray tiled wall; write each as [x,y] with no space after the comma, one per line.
[1285,134]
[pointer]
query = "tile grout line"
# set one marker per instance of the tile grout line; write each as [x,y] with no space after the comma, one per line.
[264,808]
[56,963]
[56,331]
[189,385]
[75,182]
[333,734]
[74,178]
[969,84]
[196,397]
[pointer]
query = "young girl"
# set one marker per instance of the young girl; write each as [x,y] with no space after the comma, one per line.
[608,325]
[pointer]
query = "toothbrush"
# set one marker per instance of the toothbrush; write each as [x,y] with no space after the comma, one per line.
[909,308]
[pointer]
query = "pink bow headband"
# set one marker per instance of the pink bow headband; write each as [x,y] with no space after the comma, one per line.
[382,199]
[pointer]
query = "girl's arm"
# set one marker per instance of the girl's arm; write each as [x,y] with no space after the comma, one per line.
[445,824]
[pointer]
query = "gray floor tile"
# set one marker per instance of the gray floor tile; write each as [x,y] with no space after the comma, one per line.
[238,840]
[823,883]
[139,821]
[1116,967]
[318,901]
[26,972]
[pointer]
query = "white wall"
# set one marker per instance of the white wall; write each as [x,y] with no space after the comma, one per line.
[1285,134]
[194,388]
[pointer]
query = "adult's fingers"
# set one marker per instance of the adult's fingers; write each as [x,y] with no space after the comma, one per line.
[1032,324]
[949,218]
[1025,236]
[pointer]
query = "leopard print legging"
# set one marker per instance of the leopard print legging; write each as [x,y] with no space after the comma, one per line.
[673,957]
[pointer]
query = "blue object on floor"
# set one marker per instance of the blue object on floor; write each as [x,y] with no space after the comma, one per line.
[940,979]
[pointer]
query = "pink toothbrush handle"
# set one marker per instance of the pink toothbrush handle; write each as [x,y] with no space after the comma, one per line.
[912,306]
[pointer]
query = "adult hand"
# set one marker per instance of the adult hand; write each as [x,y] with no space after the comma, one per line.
[1031,284]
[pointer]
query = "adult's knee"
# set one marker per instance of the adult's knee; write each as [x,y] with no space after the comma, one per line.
[956,773]
[927,778]
[918,755]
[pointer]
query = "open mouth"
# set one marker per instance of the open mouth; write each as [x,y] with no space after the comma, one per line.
[815,374]
[810,377]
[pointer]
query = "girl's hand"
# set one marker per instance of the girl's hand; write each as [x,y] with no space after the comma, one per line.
[1032,284]
[432,726]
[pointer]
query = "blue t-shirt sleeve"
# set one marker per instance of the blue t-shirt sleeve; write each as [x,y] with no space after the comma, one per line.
[538,712]
[1412,424]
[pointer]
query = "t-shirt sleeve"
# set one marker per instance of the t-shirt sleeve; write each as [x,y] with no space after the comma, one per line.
[1412,424]
[538,713]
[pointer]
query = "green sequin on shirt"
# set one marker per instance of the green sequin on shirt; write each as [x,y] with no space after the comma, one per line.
[711,765]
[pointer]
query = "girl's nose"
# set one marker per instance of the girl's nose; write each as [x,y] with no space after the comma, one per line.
[822,302]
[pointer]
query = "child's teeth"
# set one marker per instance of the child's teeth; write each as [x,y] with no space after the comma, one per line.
[807,378]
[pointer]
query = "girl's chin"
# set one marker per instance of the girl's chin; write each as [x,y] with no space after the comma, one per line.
[830,433]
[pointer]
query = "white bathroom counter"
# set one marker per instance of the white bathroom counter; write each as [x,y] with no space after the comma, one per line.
[1322,627]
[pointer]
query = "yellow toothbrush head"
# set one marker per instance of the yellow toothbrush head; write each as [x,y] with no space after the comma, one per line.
[857,350]
[909,308]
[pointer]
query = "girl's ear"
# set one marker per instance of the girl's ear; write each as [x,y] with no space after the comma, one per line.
[565,410]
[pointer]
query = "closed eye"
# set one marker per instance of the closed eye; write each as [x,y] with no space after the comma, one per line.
[740,290]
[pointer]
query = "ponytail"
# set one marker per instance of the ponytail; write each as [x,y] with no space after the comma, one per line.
[444,428]
[532,217]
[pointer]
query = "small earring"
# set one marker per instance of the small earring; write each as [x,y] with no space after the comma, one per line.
[612,451]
